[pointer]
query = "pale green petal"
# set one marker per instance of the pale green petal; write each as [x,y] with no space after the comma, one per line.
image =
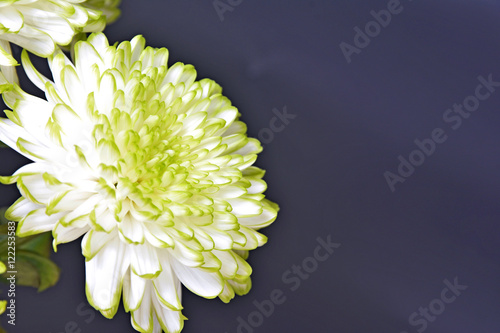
[37,222]
[133,291]
[169,320]
[11,18]
[104,276]
[6,58]
[200,281]
[32,40]
[142,317]
[3,306]
[168,288]
[144,260]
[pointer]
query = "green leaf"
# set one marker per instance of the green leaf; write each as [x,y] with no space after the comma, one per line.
[34,270]
[26,275]
[47,269]
[33,265]
[3,219]
[41,244]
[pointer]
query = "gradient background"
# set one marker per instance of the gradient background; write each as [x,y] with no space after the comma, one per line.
[325,169]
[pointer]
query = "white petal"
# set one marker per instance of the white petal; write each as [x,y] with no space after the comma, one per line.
[56,26]
[99,42]
[241,287]
[230,191]
[80,16]
[137,46]
[227,294]
[33,74]
[228,114]
[253,238]
[94,241]
[102,218]
[68,120]
[204,239]
[63,234]
[6,58]
[20,209]
[198,280]
[245,207]
[11,18]
[85,58]
[104,274]
[74,89]
[180,73]
[257,185]
[133,290]
[9,134]
[157,235]
[222,240]
[171,320]
[187,255]
[37,222]
[142,318]
[132,230]
[229,265]
[167,287]
[144,260]
[36,188]
[252,147]
[33,40]
[235,128]
[260,221]
[79,202]
[9,72]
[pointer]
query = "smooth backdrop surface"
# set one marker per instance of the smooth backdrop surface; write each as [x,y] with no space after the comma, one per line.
[326,167]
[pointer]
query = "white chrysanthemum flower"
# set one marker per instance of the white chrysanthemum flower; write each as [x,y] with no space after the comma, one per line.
[152,166]
[40,25]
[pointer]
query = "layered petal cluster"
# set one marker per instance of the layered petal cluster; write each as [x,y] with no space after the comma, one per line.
[40,25]
[153,167]
[109,8]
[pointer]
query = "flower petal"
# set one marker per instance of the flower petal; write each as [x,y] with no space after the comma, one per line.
[133,291]
[200,281]
[104,274]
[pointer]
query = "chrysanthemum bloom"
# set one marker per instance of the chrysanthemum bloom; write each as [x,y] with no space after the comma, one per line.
[40,25]
[152,166]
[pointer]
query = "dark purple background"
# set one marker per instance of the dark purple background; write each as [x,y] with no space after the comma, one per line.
[326,167]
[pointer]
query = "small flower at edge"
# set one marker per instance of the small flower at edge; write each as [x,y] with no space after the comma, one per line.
[40,25]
